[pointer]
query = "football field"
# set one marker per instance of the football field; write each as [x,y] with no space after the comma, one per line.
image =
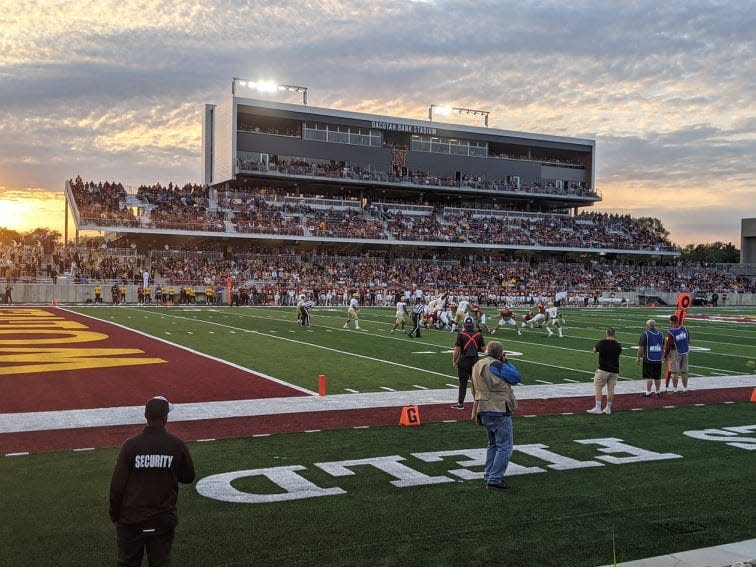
[350,486]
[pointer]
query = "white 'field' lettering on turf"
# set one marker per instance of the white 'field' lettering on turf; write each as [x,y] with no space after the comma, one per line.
[296,487]
[727,435]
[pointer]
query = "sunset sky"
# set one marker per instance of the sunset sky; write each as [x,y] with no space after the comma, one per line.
[114,90]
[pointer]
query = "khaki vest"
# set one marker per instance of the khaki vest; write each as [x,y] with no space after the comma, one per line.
[490,393]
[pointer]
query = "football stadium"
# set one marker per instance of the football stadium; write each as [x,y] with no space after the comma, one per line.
[298,306]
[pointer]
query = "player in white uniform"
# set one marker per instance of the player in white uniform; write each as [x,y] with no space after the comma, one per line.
[352,313]
[447,318]
[401,316]
[461,314]
[554,317]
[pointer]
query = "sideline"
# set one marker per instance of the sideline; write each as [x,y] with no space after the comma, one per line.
[736,554]
[132,415]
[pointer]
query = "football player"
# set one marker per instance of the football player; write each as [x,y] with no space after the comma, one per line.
[506,317]
[352,312]
[401,316]
[554,318]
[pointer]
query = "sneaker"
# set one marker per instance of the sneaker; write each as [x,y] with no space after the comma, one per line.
[658,394]
[497,486]
[594,411]
[458,406]
[646,394]
[685,392]
[607,411]
[519,334]
[392,332]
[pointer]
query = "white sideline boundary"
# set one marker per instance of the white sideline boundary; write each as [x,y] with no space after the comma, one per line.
[132,415]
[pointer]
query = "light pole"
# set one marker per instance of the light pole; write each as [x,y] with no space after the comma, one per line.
[448,110]
[268,87]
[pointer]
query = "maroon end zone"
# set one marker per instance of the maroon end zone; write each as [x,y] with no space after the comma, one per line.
[52,359]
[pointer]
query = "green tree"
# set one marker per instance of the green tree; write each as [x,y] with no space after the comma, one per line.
[655,225]
[7,236]
[716,253]
[46,237]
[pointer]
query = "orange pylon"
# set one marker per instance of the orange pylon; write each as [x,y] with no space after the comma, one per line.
[410,416]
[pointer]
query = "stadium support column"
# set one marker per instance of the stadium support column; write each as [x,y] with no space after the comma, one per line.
[65,222]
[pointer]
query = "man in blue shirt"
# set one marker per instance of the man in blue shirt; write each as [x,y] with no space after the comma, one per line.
[651,352]
[676,354]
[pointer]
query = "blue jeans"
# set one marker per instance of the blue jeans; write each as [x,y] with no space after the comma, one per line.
[500,443]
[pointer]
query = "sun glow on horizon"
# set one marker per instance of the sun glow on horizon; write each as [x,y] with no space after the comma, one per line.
[25,210]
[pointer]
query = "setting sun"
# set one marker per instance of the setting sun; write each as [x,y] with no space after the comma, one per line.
[25,210]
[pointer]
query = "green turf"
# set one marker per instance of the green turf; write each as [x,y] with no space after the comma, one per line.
[54,506]
[269,341]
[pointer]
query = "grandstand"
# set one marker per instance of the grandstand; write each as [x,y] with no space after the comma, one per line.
[294,196]
[287,172]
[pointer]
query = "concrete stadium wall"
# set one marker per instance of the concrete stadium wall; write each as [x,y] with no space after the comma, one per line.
[71,293]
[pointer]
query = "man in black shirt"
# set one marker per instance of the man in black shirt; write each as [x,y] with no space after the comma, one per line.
[469,343]
[609,351]
[144,489]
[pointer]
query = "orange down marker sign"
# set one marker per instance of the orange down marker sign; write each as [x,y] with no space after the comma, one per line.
[410,416]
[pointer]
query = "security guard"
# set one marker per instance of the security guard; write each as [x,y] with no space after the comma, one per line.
[144,489]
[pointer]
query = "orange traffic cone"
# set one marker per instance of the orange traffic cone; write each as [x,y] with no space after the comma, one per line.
[410,416]
[753,395]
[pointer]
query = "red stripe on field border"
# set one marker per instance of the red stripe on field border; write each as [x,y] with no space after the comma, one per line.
[59,440]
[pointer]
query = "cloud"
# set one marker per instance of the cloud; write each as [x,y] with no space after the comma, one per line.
[114,90]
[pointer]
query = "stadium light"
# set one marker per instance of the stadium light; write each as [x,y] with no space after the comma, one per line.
[267,87]
[447,110]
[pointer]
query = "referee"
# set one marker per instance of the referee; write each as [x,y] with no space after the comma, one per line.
[144,489]
[417,314]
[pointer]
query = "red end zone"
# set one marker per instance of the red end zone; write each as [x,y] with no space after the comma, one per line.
[52,359]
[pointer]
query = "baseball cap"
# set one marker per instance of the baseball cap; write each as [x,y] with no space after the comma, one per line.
[157,407]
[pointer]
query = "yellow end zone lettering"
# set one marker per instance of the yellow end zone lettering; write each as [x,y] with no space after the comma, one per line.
[30,360]
[33,355]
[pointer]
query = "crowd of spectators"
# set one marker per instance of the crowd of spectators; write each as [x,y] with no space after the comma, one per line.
[490,281]
[343,170]
[20,262]
[280,274]
[275,212]
[100,263]
[344,223]
[181,208]
[102,203]
[249,212]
